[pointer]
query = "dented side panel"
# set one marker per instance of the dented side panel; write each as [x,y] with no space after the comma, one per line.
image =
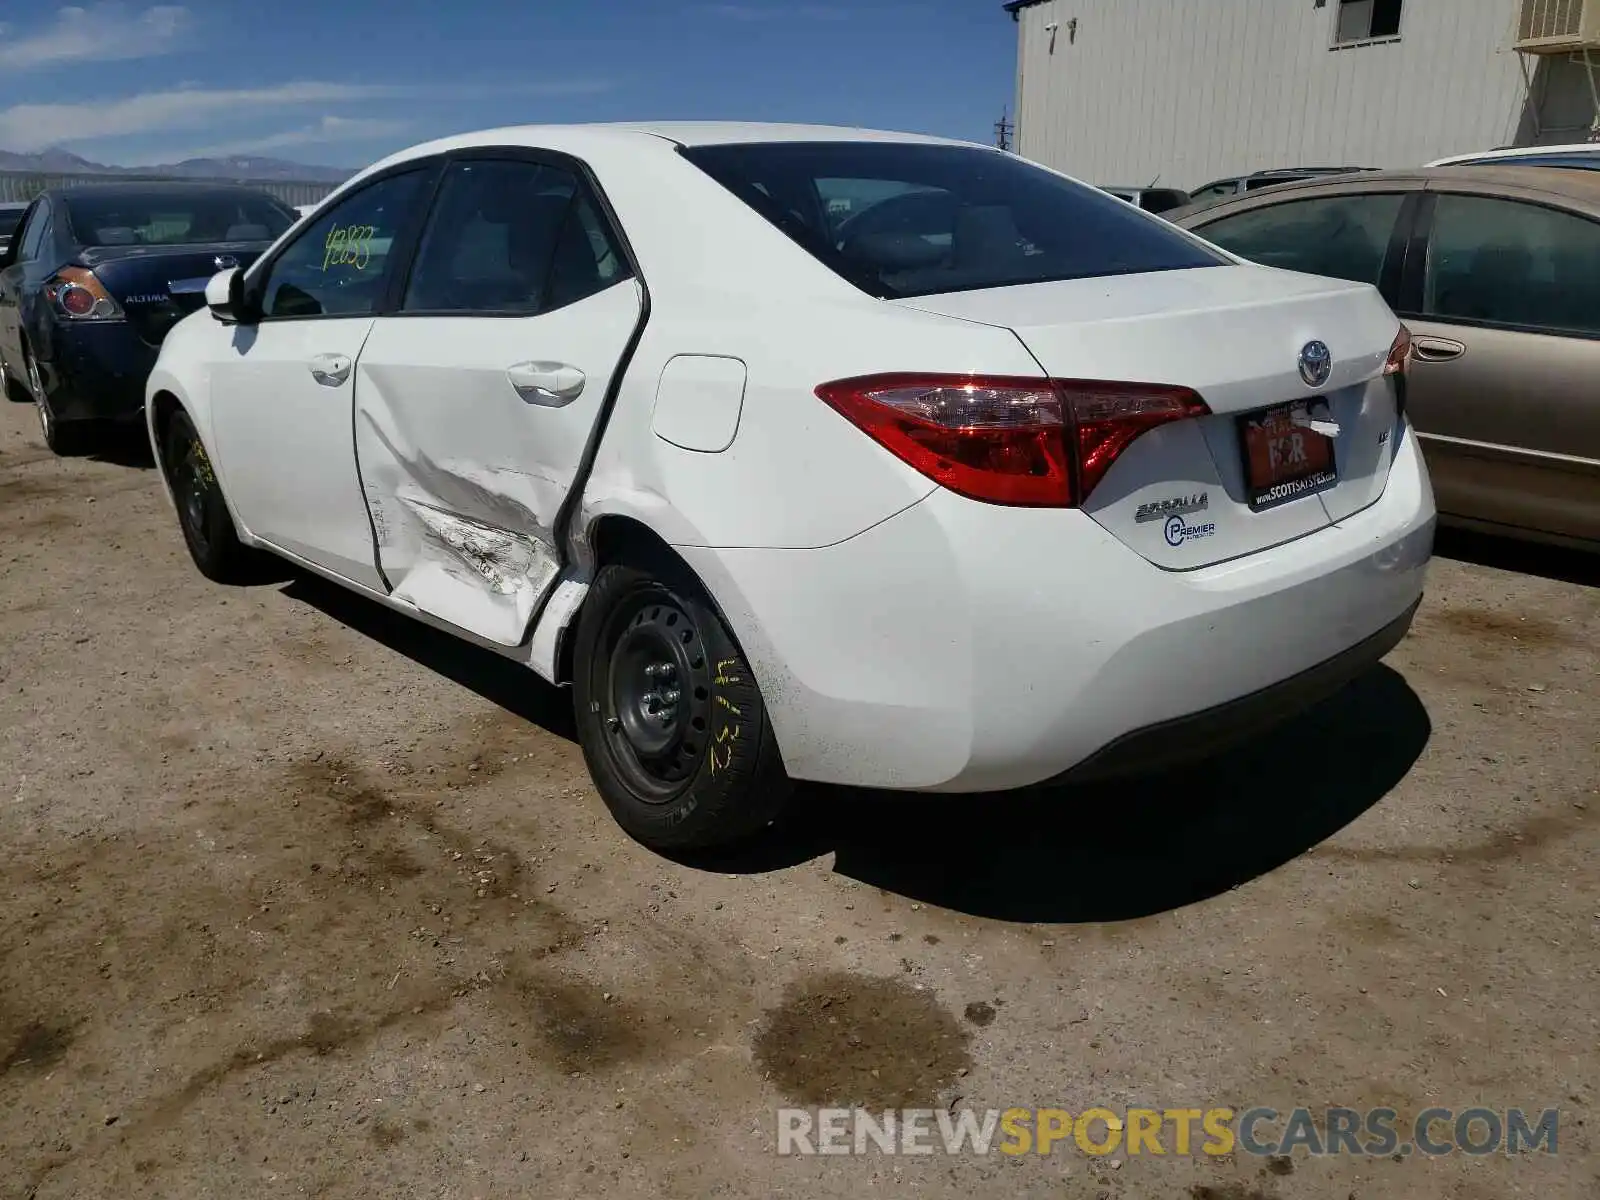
[466,458]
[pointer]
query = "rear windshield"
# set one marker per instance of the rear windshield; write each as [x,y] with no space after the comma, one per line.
[899,219]
[153,219]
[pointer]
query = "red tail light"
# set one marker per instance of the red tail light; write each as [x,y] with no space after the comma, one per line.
[1399,361]
[1398,365]
[78,294]
[1005,440]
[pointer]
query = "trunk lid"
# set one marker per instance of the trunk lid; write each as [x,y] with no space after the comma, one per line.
[158,286]
[1180,495]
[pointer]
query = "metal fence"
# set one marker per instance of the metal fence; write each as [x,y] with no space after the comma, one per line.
[25,185]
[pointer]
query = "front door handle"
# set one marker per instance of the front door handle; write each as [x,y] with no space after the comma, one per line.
[551,384]
[1437,349]
[330,370]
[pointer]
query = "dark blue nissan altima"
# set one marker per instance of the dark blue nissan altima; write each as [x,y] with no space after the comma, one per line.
[94,278]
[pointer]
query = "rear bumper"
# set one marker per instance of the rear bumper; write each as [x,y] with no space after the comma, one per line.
[97,371]
[963,647]
[1196,736]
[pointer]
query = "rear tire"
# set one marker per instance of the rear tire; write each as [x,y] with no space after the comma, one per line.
[203,514]
[671,721]
[64,438]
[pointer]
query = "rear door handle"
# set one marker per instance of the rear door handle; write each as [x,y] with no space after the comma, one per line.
[1437,349]
[330,370]
[550,384]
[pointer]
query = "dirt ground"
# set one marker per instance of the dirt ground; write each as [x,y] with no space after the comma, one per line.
[301,899]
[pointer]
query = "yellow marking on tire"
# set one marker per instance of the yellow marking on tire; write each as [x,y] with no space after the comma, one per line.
[729,705]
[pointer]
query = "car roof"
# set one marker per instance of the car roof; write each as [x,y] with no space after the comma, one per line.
[1582,186]
[682,133]
[1515,152]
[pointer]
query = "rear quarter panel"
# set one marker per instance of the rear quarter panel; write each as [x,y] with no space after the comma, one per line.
[723,282]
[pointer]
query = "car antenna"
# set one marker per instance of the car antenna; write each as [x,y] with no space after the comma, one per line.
[1154,181]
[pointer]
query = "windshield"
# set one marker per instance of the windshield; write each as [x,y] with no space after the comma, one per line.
[902,219]
[176,219]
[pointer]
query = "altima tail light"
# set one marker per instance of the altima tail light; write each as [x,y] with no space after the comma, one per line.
[78,295]
[1398,365]
[1006,440]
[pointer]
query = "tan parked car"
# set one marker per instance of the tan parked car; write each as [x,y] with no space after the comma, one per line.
[1496,270]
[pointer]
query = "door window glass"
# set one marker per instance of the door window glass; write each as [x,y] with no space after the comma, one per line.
[513,238]
[1345,237]
[336,266]
[33,235]
[1503,262]
[1214,191]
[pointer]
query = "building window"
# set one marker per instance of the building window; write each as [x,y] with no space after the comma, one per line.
[1366,21]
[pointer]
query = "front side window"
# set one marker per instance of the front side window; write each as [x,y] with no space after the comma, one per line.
[1366,20]
[899,219]
[1345,237]
[337,265]
[1504,262]
[512,238]
[177,218]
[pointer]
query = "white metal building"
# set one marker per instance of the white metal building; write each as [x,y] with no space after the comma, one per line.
[1181,92]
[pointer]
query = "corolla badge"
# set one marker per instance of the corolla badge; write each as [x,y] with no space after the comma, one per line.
[223,261]
[1316,363]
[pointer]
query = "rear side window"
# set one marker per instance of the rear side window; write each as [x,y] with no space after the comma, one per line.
[33,236]
[1504,262]
[513,238]
[1345,237]
[898,219]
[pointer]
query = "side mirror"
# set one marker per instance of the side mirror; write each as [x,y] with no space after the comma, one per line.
[225,296]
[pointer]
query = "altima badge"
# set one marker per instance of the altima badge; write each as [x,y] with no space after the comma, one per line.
[1178,506]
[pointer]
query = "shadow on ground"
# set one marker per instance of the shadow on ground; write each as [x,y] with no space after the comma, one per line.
[123,446]
[1526,558]
[1112,852]
[1102,852]
[511,685]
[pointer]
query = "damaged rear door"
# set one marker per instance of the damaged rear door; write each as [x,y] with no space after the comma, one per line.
[476,398]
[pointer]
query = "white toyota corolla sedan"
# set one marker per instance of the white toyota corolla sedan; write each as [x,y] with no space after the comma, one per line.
[811,454]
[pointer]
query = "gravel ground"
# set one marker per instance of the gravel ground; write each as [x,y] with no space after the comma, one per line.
[304,899]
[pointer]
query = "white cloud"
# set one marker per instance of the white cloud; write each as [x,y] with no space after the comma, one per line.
[104,33]
[36,126]
[328,130]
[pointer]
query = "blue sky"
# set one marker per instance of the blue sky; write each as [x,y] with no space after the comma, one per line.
[343,82]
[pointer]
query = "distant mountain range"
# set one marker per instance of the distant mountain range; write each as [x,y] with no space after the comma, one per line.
[64,162]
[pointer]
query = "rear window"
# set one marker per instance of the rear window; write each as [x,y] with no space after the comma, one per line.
[153,219]
[914,220]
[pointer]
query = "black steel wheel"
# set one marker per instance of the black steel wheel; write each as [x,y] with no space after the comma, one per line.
[671,720]
[203,514]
